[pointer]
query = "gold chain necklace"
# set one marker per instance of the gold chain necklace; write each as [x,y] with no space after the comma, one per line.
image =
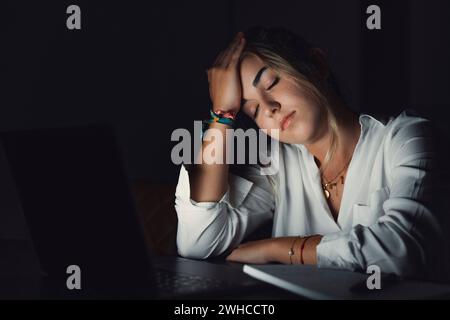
[330,184]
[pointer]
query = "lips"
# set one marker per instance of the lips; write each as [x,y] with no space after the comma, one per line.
[286,121]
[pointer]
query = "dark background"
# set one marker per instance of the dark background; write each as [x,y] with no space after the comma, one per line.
[141,65]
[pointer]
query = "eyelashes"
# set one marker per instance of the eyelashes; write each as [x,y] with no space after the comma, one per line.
[255,113]
[277,79]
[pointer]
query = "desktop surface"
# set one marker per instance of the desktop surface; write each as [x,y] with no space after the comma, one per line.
[20,277]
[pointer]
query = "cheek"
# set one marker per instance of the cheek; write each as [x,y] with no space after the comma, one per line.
[309,111]
[308,122]
[265,123]
[309,125]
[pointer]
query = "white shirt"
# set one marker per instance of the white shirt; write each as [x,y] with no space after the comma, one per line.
[385,218]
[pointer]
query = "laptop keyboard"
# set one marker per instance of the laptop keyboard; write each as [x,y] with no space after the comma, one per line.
[185,283]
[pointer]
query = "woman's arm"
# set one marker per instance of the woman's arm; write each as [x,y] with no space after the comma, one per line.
[209,228]
[277,250]
[209,182]
[217,210]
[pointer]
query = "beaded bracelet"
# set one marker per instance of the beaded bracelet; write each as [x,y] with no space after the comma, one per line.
[227,118]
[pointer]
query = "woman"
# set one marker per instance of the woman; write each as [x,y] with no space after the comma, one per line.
[351,191]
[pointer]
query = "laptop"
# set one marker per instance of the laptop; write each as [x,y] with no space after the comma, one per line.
[73,193]
[316,283]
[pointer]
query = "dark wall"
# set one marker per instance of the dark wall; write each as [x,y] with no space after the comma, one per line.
[141,65]
[406,65]
[331,25]
[429,52]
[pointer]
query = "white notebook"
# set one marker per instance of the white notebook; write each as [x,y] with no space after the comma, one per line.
[318,283]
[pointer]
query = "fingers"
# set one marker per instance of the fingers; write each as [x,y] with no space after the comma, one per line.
[219,59]
[225,57]
[234,46]
[237,52]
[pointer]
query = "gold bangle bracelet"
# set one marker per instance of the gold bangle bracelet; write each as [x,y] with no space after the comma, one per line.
[291,251]
[302,248]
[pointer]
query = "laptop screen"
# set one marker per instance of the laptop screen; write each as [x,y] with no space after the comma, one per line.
[75,197]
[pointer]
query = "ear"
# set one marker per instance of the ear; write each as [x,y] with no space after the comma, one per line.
[319,59]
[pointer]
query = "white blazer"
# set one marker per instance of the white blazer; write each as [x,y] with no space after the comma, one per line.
[386,216]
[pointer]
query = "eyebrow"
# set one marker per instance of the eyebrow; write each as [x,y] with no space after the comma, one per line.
[255,81]
[258,76]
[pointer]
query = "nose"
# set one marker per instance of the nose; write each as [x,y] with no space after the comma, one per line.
[269,108]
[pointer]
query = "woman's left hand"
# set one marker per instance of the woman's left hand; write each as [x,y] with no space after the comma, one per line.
[256,252]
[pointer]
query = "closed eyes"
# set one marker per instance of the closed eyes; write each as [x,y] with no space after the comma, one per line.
[277,79]
[255,114]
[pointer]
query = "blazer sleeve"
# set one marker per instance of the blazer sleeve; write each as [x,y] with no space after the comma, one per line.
[210,228]
[408,238]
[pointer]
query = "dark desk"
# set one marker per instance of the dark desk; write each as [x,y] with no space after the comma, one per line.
[19,269]
[20,277]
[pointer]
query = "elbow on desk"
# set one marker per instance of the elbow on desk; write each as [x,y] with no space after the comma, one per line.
[200,238]
[192,249]
[193,243]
